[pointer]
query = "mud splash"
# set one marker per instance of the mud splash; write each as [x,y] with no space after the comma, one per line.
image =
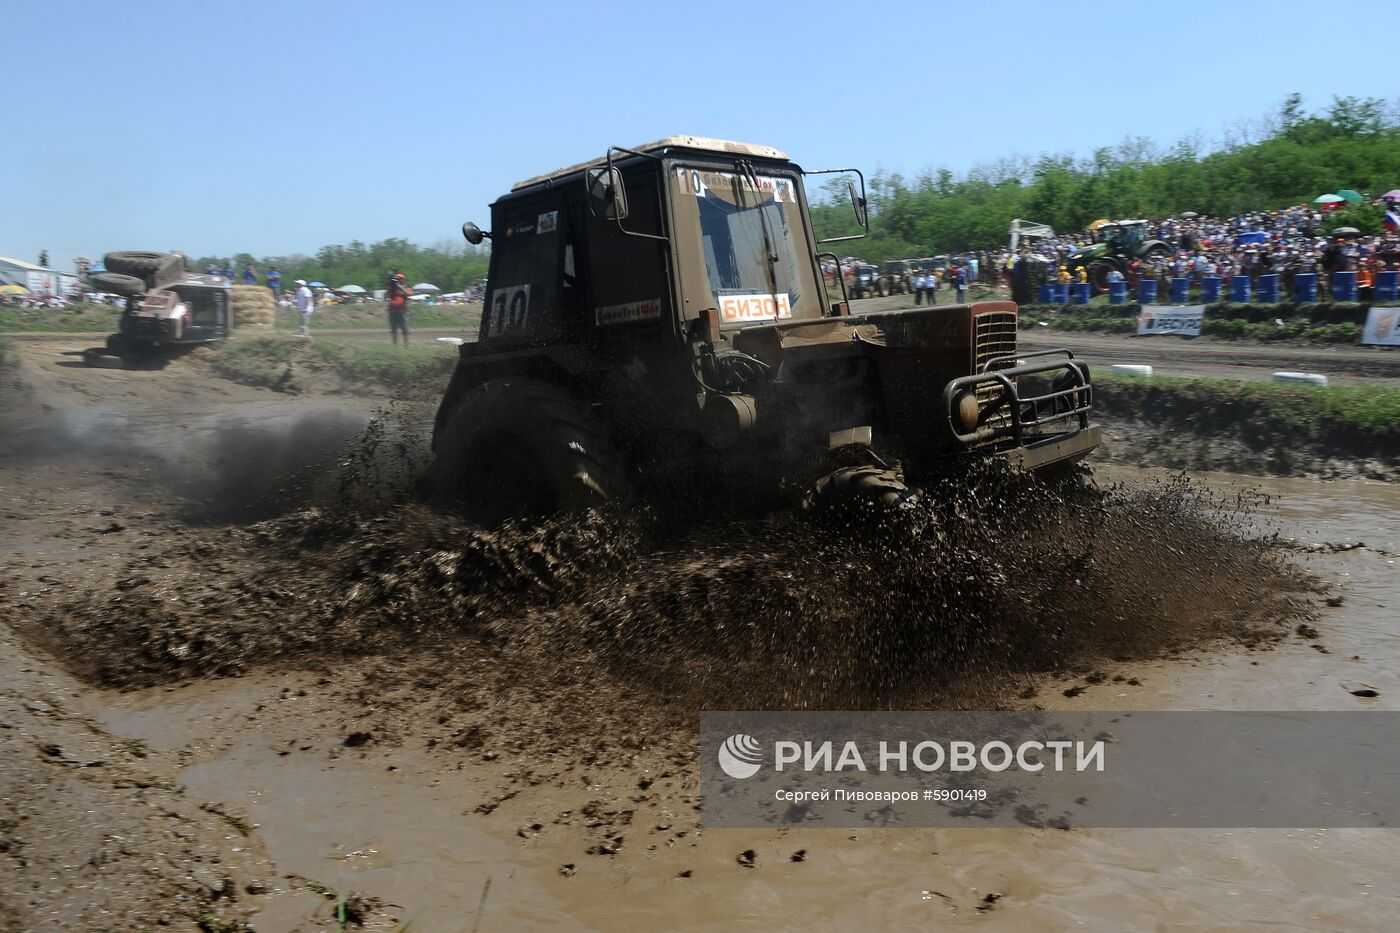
[989,579]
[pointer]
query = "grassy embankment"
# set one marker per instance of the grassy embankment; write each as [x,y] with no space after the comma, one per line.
[285,362]
[1359,421]
[102,319]
[372,316]
[74,319]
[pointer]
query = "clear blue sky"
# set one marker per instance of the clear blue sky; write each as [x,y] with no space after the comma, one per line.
[279,127]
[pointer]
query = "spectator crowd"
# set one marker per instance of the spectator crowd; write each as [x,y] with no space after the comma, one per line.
[1288,241]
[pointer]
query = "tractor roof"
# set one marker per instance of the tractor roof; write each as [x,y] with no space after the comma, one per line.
[699,143]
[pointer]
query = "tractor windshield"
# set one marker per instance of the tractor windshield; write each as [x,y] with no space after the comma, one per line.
[743,245]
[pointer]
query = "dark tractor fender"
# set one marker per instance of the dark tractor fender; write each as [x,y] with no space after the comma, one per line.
[1155,246]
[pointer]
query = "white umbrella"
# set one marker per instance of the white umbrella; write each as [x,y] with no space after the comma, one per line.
[425,287]
[351,289]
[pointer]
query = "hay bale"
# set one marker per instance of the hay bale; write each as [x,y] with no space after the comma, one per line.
[252,306]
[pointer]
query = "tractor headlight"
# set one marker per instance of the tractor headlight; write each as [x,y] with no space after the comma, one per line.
[967,411]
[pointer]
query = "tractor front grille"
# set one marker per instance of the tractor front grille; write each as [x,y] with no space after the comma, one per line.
[994,335]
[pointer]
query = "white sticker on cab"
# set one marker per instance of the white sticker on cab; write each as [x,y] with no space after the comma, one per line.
[736,308]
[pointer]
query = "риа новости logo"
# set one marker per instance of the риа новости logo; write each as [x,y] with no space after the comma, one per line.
[740,756]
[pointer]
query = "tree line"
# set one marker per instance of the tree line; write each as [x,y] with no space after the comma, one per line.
[1288,157]
[449,266]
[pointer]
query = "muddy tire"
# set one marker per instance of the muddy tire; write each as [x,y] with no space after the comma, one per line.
[524,448]
[868,488]
[118,283]
[102,358]
[120,345]
[156,269]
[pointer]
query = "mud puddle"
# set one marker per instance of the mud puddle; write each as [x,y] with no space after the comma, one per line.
[396,781]
[391,826]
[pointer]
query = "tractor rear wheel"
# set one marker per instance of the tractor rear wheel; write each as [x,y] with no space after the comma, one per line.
[524,448]
[157,269]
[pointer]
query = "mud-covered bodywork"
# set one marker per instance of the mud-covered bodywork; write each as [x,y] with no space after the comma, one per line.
[906,372]
[676,289]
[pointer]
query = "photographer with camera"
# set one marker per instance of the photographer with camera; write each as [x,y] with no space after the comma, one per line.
[397,296]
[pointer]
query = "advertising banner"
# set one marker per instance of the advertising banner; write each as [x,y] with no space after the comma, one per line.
[1382,327]
[1184,322]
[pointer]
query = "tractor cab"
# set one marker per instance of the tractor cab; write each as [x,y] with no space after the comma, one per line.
[1127,235]
[700,227]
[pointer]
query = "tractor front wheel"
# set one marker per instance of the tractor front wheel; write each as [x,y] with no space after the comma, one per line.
[1098,275]
[869,489]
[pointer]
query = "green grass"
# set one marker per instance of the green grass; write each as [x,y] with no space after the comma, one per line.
[85,318]
[77,318]
[277,359]
[8,358]
[1225,329]
[1348,419]
[373,316]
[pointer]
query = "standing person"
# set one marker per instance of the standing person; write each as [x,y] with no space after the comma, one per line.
[274,283]
[919,288]
[306,305]
[397,294]
[960,282]
[250,275]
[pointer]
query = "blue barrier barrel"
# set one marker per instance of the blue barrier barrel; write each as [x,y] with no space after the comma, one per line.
[1147,291]
[1239,289]
[1117,292]
[1062,294]
[1181,291]
[1387,288]
[1305,287]
[1080,292]
[1046,294]
[1267,292]
[1344,286]
[1210,289]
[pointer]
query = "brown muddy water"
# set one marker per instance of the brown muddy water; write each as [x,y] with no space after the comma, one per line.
[397,821]
[468,731]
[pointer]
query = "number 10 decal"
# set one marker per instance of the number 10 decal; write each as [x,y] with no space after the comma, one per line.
[510,305]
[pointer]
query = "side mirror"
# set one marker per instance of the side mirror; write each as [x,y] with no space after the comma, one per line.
[474,234]
[857,203]
[607,198]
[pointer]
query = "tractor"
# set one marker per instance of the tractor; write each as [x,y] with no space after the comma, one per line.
[896,278]
[655,322]
[1119,244]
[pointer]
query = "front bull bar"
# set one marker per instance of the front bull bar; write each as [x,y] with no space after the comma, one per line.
[1070,397]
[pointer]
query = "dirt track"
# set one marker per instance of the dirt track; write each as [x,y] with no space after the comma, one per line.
[391,736]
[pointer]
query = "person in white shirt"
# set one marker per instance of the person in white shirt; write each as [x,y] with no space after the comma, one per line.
[306,304]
